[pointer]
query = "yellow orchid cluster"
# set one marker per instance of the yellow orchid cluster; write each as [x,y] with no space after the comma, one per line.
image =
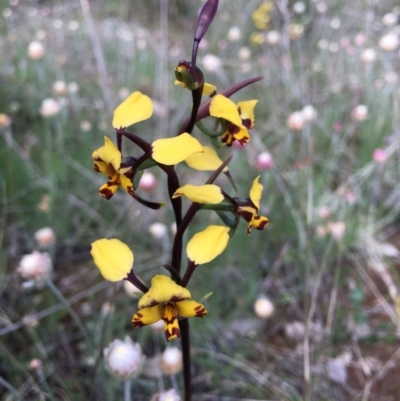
[167,298]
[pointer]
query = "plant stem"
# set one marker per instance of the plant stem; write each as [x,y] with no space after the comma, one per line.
[127,390]
[185,345]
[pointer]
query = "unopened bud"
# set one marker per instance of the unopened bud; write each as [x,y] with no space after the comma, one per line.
[124,359]
[45,237]
[171,361]
[264,308]
[36,266]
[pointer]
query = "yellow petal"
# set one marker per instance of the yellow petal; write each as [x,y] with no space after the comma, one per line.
[259,222]
[171,151]
[256,192]
[108,153]
[147,316]
[170,317]
[222,107]
[136,107]
[242,136]
[109,189]
[207,244]
[246,111]
[207,160]
[209,90]
[104,168]
[163,289]
[190,309]
[209,193]
[126,183]
[113,258]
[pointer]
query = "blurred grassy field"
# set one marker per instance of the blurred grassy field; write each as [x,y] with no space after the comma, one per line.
[328,260]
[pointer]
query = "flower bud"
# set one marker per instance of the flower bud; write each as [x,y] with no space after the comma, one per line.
[234,34]
[148,181]
[390,19]
[124,359]
[36,266]
[59,88]
[45,237]
[171,361]
[35,365]
[296,121]
[158,230]
[50,107]
[273,37]
[264,308]
[360,113]
[36,50]
[169,395]
[337,229]
[389,42]
[379,155]
[324,212]
[211,62]
[309,113]
[368,55]
[264,161]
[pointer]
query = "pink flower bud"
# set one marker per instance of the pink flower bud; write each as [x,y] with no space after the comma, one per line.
[264,161]
[36,50]
[360,113]
[379,155]
[148,181]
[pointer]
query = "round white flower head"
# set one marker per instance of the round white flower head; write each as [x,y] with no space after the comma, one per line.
[309,113]
[36,50]
[273,37]
[264,308]
[50,107]
[171,361]
[36,266]
[59,88]
[368,55]
[234,34]
[244,53]
[45,237]
[296,121]
[168,395]
[360,113]
[389,42]
[390,19]
[124,359]
[158,230]
[211,62]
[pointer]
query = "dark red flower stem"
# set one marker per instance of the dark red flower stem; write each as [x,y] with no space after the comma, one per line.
[131,277]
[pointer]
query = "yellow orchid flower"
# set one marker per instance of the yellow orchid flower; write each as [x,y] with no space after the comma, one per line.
[239,118]
[107,160]
[113,258]
[206,245]
[136,107]
[249,209]
[166,300]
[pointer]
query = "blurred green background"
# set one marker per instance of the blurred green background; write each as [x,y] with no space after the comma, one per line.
[327,124]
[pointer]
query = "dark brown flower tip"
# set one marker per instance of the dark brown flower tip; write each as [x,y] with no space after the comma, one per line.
[205,19]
